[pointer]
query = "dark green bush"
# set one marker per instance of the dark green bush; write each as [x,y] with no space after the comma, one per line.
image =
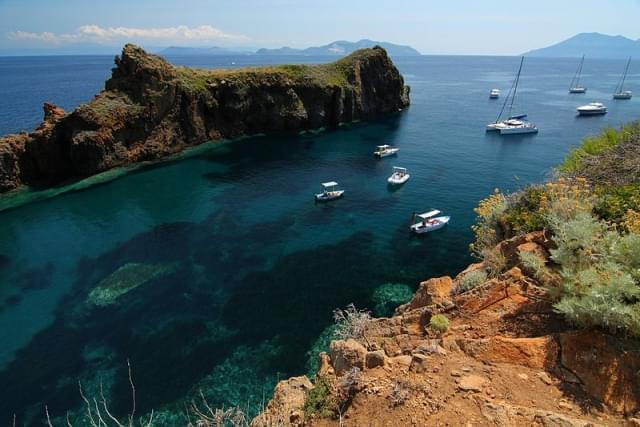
[319,401]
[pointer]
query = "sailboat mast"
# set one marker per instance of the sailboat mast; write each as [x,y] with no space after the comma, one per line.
[515,88]
[579,72]
[624,76]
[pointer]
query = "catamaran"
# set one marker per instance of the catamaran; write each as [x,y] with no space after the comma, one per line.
[385,150]
[399,176]
[592,109]
[620,93]
[330,191]
[574,86]
[517,124]
[428,221]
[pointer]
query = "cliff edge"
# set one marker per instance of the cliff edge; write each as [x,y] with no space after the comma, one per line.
[150,109]
[496,355]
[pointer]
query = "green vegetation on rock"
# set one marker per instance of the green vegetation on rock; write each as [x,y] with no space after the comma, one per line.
[319,401]
[439,323]
[591,214]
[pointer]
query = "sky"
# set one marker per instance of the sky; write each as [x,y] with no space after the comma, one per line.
[494,27]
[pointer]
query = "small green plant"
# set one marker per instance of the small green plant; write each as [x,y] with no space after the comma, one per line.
[439,323]
[534,264]
[472,279]
[319,401]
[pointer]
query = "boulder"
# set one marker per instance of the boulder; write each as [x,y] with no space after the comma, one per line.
[286,408]
[375,358]
[433,291]
[473,383]
[419,363]
[607,366]
[346,355]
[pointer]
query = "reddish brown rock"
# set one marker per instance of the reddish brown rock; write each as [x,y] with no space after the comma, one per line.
[433,291]
[346,355]
[286,408]
[536,353]
[607,366]
[508,285]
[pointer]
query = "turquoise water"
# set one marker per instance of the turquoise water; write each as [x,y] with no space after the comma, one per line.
[234,271]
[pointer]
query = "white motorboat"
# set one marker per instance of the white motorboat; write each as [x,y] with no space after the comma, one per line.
[494,94]
[385,151]
[428,221]
[620,93]
[513,124]
[399,176]
[574,86]
[592,109]
[330,191]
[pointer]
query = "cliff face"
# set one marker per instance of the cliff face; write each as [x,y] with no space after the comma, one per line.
[150,109]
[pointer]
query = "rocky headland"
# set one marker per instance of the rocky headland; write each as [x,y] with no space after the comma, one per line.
[150,109]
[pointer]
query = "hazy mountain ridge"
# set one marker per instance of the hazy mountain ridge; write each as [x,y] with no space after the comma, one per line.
[342,47]
[593,45]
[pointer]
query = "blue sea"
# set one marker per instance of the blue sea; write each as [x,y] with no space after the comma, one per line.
[229,270]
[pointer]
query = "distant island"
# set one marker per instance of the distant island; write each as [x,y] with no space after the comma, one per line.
[342,47]
[336,48]
[593,45]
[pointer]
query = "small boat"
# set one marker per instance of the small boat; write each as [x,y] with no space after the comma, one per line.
[385,151]
[592,109]
[574,86]
[330,191]
[427,222]
[513,124]
[620,93]
[494,94]
[399,176]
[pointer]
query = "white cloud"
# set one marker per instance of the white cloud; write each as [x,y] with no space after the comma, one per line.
[95,33]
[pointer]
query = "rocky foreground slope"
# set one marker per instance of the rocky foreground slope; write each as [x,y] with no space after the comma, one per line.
[507,359]
[150,109]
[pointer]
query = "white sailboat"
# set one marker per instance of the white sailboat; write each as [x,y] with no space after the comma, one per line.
[517,124]
[427,222]
[620,93]
[575,86]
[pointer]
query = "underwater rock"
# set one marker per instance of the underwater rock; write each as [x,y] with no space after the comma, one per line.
[125,279]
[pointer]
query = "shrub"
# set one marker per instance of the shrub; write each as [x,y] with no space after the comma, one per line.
[472,279]
[399,393]
[439,323]
[534,264]
[351,323]
[573,162]
[488,231]
[319,401]
[614,202]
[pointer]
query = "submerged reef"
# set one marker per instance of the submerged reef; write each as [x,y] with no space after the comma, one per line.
[125,279]
[150,109]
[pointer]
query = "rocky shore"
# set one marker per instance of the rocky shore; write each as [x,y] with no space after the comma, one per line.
[150,109]
[506,359]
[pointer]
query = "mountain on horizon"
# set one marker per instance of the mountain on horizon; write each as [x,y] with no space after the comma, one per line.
[342,47]
[593,45]
[196,51]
